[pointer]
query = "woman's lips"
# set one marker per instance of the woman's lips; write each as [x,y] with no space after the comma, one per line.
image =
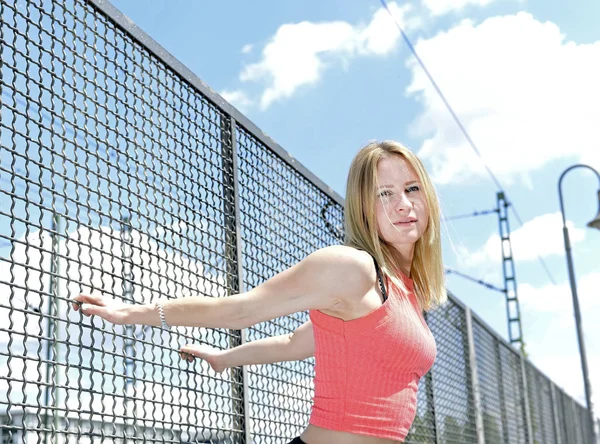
[406,222]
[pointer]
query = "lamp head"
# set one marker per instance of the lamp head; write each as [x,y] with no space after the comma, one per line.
[595,223]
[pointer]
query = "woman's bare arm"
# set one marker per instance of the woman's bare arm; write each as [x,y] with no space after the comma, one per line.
[293,347]
[321,281]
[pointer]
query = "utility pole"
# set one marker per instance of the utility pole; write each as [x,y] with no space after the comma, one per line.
[513,312]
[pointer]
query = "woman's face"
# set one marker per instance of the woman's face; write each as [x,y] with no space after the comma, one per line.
[401,208]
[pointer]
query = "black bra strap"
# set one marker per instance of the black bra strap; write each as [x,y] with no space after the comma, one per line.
[380,278]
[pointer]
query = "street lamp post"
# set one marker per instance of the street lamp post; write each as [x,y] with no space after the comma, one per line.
[595,223]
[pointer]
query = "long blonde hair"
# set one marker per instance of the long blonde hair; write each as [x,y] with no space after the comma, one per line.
[427,270]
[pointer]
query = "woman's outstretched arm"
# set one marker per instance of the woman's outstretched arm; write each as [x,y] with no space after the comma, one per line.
[323,280]
[293,347]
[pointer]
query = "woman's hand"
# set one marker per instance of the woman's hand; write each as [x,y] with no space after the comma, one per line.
[213,356]
[107,308]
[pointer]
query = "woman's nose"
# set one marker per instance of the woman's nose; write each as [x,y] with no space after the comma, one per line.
[403,202]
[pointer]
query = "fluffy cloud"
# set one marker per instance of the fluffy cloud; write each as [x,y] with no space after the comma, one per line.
[541,236]
[557,298]
[441,7]
[90,260]
[526,95]
[299,53]
[238,98]
[550,332]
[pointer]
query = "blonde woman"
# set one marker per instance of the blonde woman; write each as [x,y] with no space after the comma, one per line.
[365,301]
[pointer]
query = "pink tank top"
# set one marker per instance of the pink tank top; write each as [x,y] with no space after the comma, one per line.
[367,370]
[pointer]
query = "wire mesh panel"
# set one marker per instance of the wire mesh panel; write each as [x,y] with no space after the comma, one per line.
[491,384]
[585,423]
[540,404]
[113,182]
[423,429]
[283,218]
[514,402]
[451,376]
[566,413]
[572,424]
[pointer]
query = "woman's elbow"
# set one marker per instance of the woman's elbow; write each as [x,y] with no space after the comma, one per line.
[244,313]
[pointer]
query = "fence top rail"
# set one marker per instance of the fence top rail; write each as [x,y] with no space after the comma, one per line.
[125,23]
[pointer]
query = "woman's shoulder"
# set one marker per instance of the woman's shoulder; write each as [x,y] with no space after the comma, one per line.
[347,262]
[345,254]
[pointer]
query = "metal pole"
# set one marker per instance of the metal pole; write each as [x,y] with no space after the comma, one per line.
[501,394]
[430,399]
[526,403]
[51,330]
[235,282]
[474,379]
[577,312]
[555,416]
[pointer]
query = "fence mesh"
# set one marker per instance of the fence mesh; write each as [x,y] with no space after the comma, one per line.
[541,407]
[122,176]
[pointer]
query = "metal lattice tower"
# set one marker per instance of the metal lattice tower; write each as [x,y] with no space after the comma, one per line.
[513,312]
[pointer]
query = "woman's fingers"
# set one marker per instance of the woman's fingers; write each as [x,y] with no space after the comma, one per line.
[110,310]
[192,350]
[81,299]
[186,356]
[90,309]
[209,354]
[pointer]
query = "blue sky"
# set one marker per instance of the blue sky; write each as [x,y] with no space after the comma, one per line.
[323,78]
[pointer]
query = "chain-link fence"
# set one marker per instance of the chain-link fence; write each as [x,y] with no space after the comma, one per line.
[122,173]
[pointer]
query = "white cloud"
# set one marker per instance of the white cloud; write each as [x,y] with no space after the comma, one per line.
[381,34]
[525,94]
[441,7]
[557,298]
[550,333]
[299,53]
[92,257]
[237,98]
[541,236]
[246,49]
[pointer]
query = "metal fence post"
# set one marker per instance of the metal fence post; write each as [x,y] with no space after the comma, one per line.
[540,403]
[526,404]
[474,378]
[50,390]
[430,397]
[501,393]
[233,258]
[555,415]
[129,370]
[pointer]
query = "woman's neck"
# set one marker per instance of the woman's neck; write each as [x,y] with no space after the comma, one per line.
[403,259]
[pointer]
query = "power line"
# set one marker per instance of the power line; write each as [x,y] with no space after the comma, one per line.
[441,94]
[458,123]
[475,213]
[477,281]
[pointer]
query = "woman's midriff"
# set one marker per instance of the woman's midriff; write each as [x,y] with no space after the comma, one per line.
[318,435]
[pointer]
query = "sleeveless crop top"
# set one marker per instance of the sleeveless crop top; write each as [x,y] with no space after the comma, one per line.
[367,370]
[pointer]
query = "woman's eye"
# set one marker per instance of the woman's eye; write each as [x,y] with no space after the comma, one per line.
[413,188]
[385,193]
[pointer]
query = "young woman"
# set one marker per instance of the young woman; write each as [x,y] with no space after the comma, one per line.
[365,301]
